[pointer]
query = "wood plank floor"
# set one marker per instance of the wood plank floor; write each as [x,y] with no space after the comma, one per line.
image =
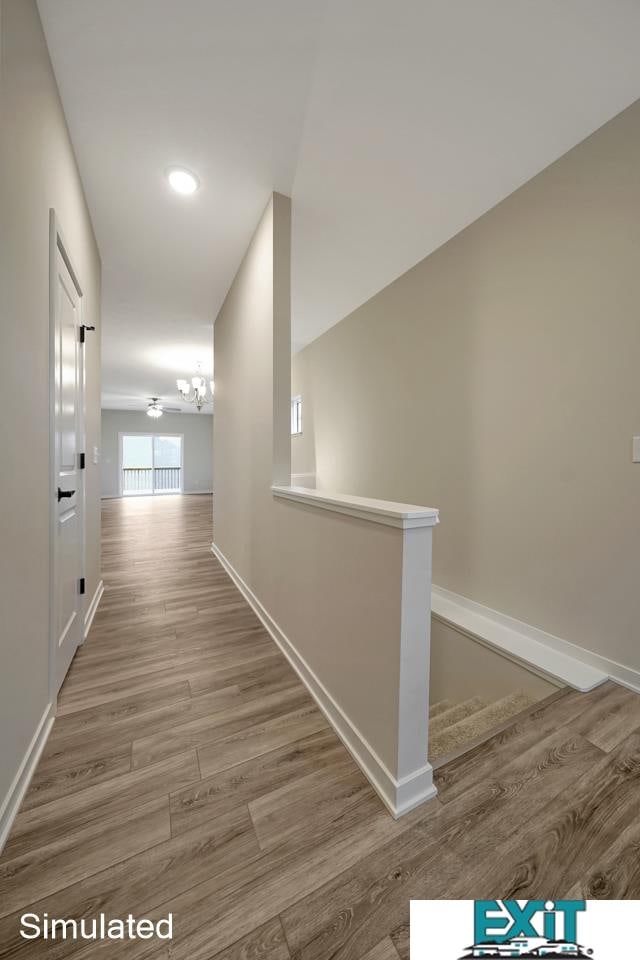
[189,771]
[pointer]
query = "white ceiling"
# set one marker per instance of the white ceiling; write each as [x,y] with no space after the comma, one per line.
[392,123]
[219,86]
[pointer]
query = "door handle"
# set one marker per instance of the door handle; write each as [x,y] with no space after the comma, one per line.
[64,493]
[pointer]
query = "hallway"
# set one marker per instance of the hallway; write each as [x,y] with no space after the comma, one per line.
[189,771]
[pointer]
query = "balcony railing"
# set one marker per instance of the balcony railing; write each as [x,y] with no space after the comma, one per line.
[140,480]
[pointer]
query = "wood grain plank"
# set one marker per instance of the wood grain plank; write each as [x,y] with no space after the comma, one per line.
[619,721]
[260,738]
[153,722]
[72,700]
[216,795]
[345,916]
[487,813]
[141,883]
[385,950]
[60,774]
[616,875]
[125,644]
[97,804]
[100,716]
[64,861]
[326,795]
[568,836]
[264,670]
[225,908]
[400,937]
[240,715]
[455,778]
[362,905]
[265,943]
[238,650]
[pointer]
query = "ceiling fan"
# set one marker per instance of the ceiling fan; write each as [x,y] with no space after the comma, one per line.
[155,409]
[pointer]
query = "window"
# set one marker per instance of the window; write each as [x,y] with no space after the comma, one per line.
[296,415]
[150,464]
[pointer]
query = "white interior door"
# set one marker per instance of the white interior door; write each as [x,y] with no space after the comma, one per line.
[68,493]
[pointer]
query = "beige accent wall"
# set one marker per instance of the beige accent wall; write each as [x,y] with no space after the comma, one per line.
[332,584]
[37,171]
[498,381]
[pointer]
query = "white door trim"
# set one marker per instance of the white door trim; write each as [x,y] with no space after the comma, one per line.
[57,243]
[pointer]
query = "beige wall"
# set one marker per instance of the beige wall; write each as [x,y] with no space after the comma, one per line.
[303,454]
[37,171]
[332,584]
[498,381]
[486,673]
[243,429]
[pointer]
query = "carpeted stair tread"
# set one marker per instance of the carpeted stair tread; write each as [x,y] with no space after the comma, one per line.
[451,737]
[457,712]
[439,707]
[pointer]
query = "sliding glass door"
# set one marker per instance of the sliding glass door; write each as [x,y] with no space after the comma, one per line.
[150,463]
[167,464]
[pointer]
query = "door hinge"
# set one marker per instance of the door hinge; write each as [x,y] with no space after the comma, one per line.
[81,461]
[81,585]
[83,329]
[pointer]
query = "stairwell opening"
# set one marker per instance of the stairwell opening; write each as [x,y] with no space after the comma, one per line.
[475,691]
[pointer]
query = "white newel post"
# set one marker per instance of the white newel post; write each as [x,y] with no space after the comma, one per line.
[414,775]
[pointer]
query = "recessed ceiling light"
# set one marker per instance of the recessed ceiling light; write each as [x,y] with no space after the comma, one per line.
[182,181]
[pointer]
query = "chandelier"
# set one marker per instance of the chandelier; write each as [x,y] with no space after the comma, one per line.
[196,391]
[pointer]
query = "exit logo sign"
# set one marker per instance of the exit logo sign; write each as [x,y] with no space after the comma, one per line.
[504,920]
[524,929]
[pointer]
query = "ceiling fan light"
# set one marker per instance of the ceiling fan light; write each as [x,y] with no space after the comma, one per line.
[182,181]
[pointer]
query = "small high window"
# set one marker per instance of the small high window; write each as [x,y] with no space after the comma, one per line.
[296,415]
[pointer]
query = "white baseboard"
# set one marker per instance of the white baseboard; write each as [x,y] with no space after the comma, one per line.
[399,796]
[554,656]
[11,803]
[93,606]
[194,493]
